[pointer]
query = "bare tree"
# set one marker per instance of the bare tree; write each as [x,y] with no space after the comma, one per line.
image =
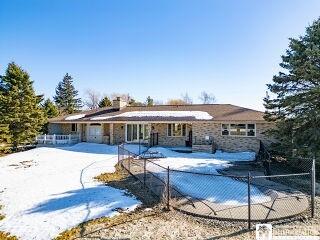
[176,101]
[92,99]
[186,98]
[207,98]
[124,96]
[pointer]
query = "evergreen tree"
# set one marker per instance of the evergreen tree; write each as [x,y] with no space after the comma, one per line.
[105,102]
[296,106]
[66,96]
[50,109]
[5,136]
[19,106]
[149,101]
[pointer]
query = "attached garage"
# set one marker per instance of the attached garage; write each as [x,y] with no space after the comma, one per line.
[94,133]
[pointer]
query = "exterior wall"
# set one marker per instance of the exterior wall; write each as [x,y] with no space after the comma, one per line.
[164,139]
[106,133]
[231,143]
[262,128]
[115,134]
[83,131]
[106,129]
[59,128]
[118,133]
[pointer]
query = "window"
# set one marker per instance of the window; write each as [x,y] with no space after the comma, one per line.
[248,130]
[225,129]
[177,130]
[73,127]
[136,132]
[237,130]
[251,130]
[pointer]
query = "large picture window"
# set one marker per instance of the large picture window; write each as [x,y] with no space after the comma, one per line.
[177,129]
[136,132]
[241,129]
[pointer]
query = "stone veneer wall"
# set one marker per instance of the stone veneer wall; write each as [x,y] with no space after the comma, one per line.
[164,139]
[59,128]
[118,133]
[106,129]
[106,133]
[231,143]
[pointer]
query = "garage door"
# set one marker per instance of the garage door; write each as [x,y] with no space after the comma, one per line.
[95,134]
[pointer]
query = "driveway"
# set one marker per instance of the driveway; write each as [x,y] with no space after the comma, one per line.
[45,191]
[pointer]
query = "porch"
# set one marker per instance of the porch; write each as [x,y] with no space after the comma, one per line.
[54,139]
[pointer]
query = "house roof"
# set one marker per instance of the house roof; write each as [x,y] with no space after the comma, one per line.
[166,113]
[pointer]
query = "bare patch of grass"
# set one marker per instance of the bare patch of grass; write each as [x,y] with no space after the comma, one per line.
[119,174]
[7,236]
[105,222]
[121,179]
[1,215]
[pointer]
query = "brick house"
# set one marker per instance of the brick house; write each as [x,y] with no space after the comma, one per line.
[201,126]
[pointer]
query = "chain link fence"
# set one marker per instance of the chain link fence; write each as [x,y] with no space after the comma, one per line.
[247,198]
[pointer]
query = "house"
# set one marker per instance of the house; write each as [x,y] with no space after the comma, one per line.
[200,126]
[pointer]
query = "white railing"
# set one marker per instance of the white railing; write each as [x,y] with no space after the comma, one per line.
[58,139]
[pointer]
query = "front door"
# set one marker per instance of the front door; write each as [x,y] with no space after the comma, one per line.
[95,133]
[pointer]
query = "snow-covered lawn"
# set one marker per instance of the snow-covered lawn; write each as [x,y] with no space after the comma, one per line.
[218,189]
[45,191]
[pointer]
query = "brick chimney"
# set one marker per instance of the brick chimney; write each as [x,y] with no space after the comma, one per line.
[119,103]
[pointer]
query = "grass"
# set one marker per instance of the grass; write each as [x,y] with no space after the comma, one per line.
[1,216]
[118,175]
[7,236]
[85,228]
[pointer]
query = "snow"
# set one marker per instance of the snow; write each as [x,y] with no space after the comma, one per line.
[75,117]
[220,189]
[200,115]
[45,191]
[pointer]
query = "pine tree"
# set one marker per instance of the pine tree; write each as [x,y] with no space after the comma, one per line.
[19,106]
[66,96]
[149,101]
[50,111]
[296,105]
[5,137]
[105,102]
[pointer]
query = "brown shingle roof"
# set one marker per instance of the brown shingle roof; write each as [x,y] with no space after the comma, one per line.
[219,112]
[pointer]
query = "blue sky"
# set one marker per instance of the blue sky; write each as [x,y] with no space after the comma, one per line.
[157,48]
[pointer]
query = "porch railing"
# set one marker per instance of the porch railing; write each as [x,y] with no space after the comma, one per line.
[58,139]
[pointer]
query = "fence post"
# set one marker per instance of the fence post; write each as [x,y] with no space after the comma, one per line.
[157,138]
[139,145]
[313,185]
[249,200]
[69,140]
[45,139]
[118,154]
[129,163]
[144,171]
[54,139]
[168,188]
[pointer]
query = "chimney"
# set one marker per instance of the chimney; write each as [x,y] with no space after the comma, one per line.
[119,103]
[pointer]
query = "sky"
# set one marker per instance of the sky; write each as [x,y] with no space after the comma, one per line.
[161,48]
